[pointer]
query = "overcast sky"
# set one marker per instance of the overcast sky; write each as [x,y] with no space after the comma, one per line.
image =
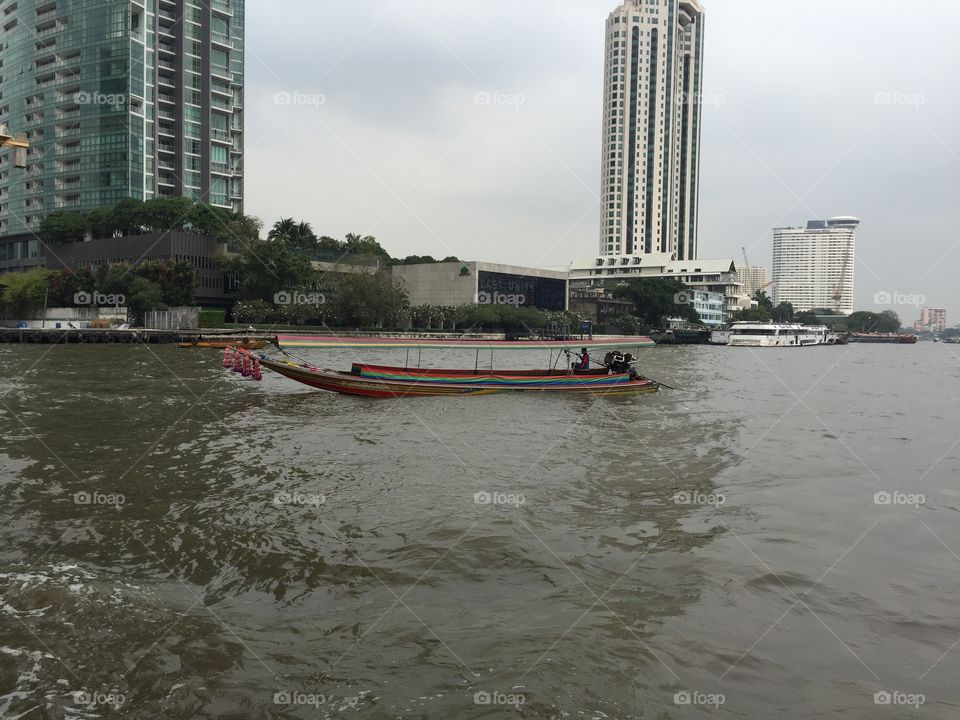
[362,116]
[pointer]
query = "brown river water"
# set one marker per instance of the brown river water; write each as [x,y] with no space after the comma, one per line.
[777,539]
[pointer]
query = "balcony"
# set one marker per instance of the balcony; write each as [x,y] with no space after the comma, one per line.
[166,165]
[166,147]
[221,105]
[222,7]
[163,97]
[221,136]
[220,168]
[221,39]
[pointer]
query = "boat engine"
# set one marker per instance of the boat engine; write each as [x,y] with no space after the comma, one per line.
[619,362]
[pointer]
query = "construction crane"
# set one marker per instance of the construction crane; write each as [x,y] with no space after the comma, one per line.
[747,273]
[18,142]
[838,290]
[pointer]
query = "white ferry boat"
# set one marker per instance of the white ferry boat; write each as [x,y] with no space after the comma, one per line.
[755,334]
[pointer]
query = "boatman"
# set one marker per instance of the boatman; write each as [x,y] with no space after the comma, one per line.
[584,360]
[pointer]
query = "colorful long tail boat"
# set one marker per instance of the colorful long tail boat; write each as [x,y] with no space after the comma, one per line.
[242,343]
[382,381]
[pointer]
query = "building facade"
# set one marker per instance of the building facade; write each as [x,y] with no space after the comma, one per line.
[480,283]
[931,320]
[710,306]
[653,72]
[813,267]
[753,278]
[120,98]
[710,276]
[200,251]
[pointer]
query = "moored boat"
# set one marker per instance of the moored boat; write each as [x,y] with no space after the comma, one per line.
[755,334]
[892,338]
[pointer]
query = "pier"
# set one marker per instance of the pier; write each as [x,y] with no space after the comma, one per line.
[52,336]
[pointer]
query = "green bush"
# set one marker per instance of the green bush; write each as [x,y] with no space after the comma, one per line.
[213,318]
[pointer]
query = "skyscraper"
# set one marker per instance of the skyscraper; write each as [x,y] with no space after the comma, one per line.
[753,278]
[653,72]
[120,98]
[813,266]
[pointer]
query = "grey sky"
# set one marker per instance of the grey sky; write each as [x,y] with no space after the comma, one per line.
[812,109]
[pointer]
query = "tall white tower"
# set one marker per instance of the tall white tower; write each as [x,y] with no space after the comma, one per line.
[653,74]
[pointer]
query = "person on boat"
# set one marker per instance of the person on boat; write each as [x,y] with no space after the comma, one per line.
[584,360]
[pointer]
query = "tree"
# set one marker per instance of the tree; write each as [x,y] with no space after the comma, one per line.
[656,299]
[25,292]
[115,280]
[63,226]
[368,300]
[177,281]
[142,297]
[626,323]
[870,322]
[100,221]
[126,217]
[164,214]
[783,313]
[366,245]
[64,286]
[298,234]
[208,220]
[752,314]
[763,300]
[265,268]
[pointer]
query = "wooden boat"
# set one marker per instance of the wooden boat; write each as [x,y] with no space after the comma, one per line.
[894,338]
[333,341]
[382,381]
[223,344]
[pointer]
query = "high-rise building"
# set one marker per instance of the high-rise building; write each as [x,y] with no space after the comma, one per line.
[753,278]
[653,72]
[813,266]
[931,320]
[119,99]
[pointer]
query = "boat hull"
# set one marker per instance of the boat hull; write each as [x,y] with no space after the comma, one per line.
[223,344]
[891,338]
[349,383]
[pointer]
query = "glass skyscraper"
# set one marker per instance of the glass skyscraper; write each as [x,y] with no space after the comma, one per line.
[653,72]
[119,98]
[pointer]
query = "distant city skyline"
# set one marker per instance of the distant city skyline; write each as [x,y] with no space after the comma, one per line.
[382,132]
[653,75]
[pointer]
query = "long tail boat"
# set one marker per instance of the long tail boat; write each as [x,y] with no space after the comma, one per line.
[383,381]
[242,343]
[893,338]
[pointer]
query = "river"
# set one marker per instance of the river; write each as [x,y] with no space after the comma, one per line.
[777,538]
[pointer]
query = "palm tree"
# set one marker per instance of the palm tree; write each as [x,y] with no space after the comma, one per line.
[298,234]
[283,229]
[763,300]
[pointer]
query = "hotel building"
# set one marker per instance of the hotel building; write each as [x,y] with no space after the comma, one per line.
[653,71]
[813,267]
